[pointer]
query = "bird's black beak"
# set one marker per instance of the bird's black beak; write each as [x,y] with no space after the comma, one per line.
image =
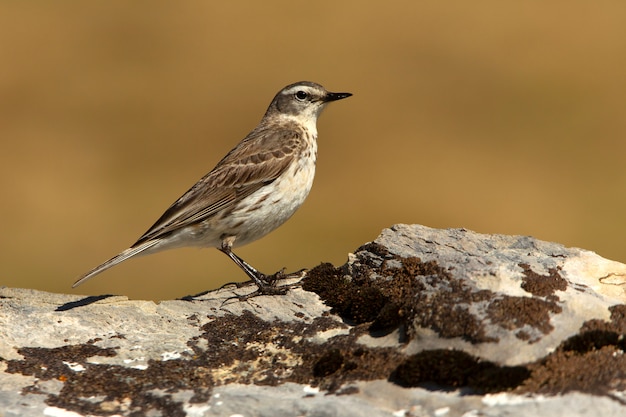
[336,96]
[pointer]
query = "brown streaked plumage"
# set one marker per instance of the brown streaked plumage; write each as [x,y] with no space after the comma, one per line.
[254,189]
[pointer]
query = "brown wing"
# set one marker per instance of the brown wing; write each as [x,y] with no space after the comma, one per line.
[255,162]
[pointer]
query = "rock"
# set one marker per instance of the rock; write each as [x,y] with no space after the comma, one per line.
[420,322]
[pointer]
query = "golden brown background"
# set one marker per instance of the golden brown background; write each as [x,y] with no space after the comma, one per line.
[500,117]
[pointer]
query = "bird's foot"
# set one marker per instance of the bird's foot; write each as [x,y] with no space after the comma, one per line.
[267,284]
[281,275]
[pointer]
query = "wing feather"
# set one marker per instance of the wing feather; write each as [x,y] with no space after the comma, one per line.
[255,162]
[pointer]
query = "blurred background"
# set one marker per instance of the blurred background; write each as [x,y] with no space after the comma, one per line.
[500,117]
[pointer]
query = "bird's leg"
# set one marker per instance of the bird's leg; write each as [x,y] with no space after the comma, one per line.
[266,284]
[250,271]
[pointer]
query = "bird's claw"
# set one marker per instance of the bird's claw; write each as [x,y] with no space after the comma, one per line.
[268,285]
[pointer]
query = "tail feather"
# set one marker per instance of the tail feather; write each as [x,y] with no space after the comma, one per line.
[121,257]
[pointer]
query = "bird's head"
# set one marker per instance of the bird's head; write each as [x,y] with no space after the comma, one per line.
[302,101]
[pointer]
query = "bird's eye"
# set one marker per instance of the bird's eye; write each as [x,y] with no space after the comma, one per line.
[301,95]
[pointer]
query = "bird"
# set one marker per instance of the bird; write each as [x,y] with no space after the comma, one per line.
[253,190]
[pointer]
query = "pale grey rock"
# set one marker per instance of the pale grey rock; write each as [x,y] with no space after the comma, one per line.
[420,322]
[591,285]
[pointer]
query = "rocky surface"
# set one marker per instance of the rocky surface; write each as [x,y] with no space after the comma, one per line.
[420,322]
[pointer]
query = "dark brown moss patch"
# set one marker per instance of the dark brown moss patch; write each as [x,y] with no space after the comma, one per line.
[130,391]
[124,390]
[352,298]
[242,349]
[542,285]
[596,334]
[390,292]
[47,364]
[591,361]
[596,372]
[618,317]
[590,340]
[516,312]
[237,341]
[328,364]
[452,369]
